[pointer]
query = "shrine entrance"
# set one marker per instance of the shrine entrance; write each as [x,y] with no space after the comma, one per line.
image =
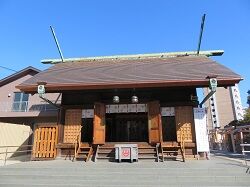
[127,127]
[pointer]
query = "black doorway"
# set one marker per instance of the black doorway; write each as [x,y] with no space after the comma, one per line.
[87,130]
[169,128]
[127,127]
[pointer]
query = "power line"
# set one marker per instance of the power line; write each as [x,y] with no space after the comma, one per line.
[8,68]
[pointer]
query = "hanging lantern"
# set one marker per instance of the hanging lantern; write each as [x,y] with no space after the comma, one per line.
[116,99]
[134,99]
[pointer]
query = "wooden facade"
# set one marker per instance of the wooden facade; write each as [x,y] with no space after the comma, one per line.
[89,121]
[88,85]
[73,126]
[185,123]
[45,141]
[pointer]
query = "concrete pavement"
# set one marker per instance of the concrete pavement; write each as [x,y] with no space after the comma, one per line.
[214,172]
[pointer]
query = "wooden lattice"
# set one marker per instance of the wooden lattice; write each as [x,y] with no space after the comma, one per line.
[73,120]
[45,140]
[184,123]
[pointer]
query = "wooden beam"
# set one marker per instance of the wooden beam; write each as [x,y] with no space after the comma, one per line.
[233,142]
[241,141]
[118,85]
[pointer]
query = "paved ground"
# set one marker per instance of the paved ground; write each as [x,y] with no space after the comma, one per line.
[14,160]
[232,156]
[214,172]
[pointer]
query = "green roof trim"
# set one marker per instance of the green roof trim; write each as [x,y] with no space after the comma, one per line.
[136,56]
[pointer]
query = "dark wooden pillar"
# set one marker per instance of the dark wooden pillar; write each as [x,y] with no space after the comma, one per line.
[61,122]
[99,123]
[154,122]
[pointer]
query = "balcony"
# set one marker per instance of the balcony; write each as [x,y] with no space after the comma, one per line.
[26,108]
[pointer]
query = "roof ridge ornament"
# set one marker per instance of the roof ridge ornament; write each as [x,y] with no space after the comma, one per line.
[136,56]
[57,43]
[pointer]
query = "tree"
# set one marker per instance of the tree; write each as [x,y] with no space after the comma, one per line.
[247,116]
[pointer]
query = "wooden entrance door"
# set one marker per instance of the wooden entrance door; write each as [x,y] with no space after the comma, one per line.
[45,140]
[99,123]
[154,122]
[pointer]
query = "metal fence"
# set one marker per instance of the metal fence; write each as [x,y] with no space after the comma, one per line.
[23,150]
[245,152]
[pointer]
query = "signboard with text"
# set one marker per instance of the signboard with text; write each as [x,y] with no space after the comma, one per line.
[201,132]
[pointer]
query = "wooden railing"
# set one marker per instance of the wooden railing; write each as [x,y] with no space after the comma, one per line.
[7,148]
[77,143]
[182,144]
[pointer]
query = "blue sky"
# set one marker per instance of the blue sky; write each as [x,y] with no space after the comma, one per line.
[94,28]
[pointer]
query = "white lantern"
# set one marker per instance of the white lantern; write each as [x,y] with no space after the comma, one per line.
[134,99]
[116,99]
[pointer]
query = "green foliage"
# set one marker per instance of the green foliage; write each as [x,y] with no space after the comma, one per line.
[247,116]
[245,121]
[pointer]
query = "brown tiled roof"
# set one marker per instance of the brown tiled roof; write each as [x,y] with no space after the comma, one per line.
[28,70]
[125,73]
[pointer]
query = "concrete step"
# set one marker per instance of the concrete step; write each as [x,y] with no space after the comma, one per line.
[123,179]
[146,151]
[122,185]
[146,154]
[82,152]
[81,156]
[85,148]
[133,171]
[105,151]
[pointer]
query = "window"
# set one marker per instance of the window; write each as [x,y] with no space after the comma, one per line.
[20,102]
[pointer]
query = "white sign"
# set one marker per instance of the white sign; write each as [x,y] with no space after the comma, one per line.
[167,111]
[107,109]
[126,108]
[113,108]
[123,108]
[141,108]
[131,107]
[88,113]
[200,123]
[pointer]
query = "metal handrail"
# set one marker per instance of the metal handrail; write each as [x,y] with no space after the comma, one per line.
[16,146]
[243,151]
[6,152]
[25,106]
